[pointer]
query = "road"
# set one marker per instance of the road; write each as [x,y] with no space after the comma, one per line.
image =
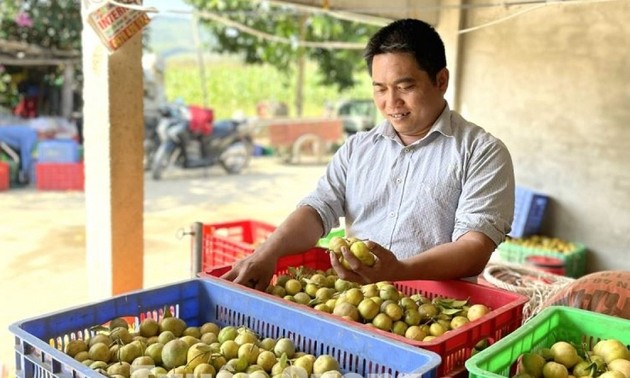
[42,237]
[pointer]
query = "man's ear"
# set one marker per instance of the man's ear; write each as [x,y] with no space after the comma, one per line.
[442,79]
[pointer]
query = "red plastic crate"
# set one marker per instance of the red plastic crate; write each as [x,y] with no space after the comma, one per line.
[220,244]
[5,181]
[4,176]
[454,347]
[59,176]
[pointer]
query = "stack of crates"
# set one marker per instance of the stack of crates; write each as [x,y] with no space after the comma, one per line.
[529,211]
[59,166]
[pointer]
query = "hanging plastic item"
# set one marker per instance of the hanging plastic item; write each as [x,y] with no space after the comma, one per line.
[201,120]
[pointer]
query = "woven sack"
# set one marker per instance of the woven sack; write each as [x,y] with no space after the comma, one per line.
[606,292]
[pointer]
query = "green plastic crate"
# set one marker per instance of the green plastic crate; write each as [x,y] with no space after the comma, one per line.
[555,323]
[323,242]
[574,262]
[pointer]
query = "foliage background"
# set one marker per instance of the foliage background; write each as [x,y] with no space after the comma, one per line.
[47,24]
[338,67]
[235,86]
[232,84]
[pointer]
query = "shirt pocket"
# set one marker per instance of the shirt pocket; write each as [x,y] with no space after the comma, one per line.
[438,200]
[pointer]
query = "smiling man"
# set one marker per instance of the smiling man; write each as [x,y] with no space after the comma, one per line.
[433,192]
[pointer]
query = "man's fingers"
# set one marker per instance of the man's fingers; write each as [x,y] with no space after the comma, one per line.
[229,275]
[351,259]
[381,254]
[371,245]
[334,262]
[260,285]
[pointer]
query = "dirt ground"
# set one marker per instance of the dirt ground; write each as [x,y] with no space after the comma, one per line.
[42,237]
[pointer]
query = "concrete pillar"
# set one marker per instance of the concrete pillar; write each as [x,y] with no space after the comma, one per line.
[114,176]
[67,97]
[448,26]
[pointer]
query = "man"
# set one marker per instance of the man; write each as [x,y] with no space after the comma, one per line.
[432,192]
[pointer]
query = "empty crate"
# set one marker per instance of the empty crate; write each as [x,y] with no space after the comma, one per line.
[529,211]
[59,176]
[58,151]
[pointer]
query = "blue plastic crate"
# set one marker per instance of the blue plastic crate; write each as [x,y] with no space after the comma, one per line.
[39,341]
[58,151]
[529,212]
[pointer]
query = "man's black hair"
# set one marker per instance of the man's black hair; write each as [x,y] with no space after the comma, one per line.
[411,36]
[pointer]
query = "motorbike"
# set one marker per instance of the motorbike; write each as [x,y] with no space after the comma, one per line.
[191,138]
[151,137]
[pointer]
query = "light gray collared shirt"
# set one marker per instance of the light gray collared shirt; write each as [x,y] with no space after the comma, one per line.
[458,178]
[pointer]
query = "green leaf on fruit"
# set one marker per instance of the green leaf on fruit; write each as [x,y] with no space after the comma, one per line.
[284,360]
[293,271]
[460,303]
[449,303]
[450,311]
[167,312]
[314,302]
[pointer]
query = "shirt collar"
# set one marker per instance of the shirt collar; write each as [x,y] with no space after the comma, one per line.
[442,125]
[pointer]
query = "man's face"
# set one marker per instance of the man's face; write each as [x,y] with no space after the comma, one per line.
[405,95]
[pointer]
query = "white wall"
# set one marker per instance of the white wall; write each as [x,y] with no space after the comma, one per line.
[554,85]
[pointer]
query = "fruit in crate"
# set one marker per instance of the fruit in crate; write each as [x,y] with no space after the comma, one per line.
[358,248]
[608,358]
[209,350]
[611,350]
[551,244]
[381,304]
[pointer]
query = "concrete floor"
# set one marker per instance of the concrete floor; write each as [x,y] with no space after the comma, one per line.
[42,238]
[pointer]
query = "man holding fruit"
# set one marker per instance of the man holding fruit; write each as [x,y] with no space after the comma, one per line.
[431,192]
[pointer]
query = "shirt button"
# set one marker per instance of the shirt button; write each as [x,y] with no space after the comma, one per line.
[392,214]
[398,181]
[407,150]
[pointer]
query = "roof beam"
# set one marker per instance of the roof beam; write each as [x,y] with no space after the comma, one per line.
[375,10]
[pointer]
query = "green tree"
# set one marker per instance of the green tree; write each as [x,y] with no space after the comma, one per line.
[337,66]
[54,25]
[48,24]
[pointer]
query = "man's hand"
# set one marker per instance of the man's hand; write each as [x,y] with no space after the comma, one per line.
[384,268]
[253,271]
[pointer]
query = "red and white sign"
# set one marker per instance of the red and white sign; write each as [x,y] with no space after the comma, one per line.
[116,24]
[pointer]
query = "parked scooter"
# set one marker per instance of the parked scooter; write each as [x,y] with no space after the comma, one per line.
[190,138]
[151,137]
